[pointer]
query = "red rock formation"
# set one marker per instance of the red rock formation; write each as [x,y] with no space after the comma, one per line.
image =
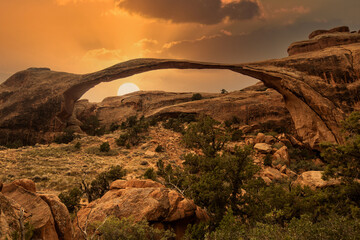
[142,199]
[319,87]
[49,217]
[256,106]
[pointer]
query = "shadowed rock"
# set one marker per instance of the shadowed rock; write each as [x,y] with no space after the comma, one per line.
[319,86]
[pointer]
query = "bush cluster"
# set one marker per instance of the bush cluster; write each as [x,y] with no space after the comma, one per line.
[134,129]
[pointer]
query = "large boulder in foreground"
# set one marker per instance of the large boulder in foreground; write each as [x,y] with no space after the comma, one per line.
[142,199]
[45,213]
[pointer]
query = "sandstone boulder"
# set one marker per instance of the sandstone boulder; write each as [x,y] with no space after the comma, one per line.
[9,217]
[26,184]
[61,216]
[263,148]
[313,180]
[49,217]
[272,173]
[282,154]
[260,138]
[143,199]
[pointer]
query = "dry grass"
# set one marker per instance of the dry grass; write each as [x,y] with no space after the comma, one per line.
[57,167]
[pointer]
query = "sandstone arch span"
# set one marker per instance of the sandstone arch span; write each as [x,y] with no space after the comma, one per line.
[319,87]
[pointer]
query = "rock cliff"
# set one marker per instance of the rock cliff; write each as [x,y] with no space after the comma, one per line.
[257,106]
[319,85]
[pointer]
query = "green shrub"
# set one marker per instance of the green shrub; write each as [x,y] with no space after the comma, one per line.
[236,135]
[174,124]
[66,137]
[268,160]
[100,185]
[77,146]
[159,148]
[223,91]
[134,131]
[114,126]
[128,229]
[91,126]
[196,96]
[104,147]
[206,135]
[150,174]
[14,144]
[71,198]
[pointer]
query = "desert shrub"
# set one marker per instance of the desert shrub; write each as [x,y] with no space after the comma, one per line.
[114,126]
[104,147]
[65,137]
[14,144]
[159,148]
[92,127]
[29,231]
[196,96]
[97,151]
[301,159]
[268,160]
[77,146]
[150,174]
[223,91]
[206,135]
[335,227]
[100,185]
[229,228]
[234,120]
[134,131]
[174,124]
[236,135]
[128,229]
[71,198]
[196,231]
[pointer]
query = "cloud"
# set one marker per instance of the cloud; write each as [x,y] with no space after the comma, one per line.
[65,2]
[104,54]
[193,11]
[298,10]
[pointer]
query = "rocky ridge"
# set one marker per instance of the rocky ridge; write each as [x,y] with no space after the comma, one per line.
[319,86]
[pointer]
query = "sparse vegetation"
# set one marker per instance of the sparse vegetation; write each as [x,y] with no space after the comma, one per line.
[196,97]
[129,229]
[71,198]
[159,148]
[100,185]
[66,137]
[135,130]
[92,127]
[105,147]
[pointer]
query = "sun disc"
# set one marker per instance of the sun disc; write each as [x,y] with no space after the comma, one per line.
[127,88]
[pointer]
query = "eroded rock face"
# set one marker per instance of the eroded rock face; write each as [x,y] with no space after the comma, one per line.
[319,83]
[142,199]
[256,106]
[49,217]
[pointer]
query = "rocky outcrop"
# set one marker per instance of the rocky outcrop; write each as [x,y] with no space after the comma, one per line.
[313,179]
[45,213]
[256,106]
[142,199]
[319,87]
[9,218]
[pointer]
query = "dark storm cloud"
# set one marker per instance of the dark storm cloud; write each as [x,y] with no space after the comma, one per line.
[265,43]
[192,11]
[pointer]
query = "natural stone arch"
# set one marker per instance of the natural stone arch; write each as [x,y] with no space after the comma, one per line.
[319,87]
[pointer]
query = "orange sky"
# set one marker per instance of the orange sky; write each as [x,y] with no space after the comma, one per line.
[83,36]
